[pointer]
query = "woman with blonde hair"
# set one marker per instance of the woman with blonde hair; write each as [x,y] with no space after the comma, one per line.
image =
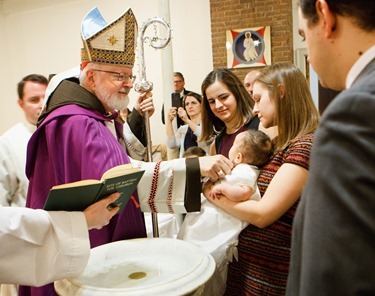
[282,99]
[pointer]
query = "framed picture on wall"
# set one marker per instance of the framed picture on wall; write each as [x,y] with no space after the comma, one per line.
[249,47]
[302,62]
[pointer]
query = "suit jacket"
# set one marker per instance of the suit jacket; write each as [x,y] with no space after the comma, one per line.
[333,242]
[180,122]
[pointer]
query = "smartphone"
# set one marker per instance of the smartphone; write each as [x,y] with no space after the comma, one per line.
[176,100]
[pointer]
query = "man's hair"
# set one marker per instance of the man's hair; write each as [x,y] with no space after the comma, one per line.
[179,74]
[256,148]
[33,78]
[362,12]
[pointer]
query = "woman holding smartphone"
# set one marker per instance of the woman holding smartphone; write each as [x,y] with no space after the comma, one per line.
[188,134]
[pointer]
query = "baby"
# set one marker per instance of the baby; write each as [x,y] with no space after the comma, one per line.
[215,230]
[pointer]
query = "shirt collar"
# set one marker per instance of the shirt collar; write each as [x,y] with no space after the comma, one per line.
[29,126]
[182,92]
[359,65]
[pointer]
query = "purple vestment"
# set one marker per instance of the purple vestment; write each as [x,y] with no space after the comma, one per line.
[71,144]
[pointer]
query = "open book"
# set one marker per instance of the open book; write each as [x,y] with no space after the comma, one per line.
[77,196]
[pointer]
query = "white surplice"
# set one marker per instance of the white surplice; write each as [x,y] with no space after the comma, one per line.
[38,247]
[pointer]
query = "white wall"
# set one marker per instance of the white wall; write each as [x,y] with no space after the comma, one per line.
[299,44]
[43,36]
[8,103]
[297,39]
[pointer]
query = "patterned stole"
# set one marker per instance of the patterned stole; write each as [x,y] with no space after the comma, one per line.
[119,128]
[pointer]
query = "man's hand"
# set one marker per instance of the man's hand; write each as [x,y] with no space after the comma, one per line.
[100,213]
[145,103]
[215,167]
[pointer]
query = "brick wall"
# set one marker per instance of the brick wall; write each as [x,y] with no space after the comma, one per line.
[239,14]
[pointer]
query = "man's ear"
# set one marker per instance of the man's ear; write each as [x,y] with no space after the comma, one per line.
[91,79]
[325,14]
[20,103]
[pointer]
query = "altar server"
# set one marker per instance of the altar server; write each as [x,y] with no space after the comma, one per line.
[38,247]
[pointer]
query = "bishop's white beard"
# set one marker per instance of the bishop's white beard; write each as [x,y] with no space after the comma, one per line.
[116,101]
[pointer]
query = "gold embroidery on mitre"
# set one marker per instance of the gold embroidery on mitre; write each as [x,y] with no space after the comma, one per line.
[112,39]
[114,44]
[116,32]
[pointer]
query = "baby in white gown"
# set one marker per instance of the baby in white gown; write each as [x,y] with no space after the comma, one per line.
[212,228]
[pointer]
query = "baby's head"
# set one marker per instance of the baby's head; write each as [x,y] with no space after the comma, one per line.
[194,151]
[251,147]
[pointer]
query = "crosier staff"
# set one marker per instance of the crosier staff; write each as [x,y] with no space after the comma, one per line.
[145,86]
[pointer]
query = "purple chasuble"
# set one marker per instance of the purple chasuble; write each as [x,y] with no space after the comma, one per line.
[73,143]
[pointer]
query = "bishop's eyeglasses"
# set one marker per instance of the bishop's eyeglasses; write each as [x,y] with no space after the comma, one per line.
[119,76]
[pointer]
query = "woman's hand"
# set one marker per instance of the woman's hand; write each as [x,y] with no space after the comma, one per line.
[172,114]
[216,192]
[182,114]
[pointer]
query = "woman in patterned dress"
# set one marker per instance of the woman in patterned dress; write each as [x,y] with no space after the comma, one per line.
[282,98]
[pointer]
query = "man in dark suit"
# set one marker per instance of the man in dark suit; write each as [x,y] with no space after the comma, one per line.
[179,88]
[333,242]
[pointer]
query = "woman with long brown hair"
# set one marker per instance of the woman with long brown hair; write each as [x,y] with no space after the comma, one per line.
[226,109]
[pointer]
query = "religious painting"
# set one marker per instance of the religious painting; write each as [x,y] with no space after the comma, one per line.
[249,47]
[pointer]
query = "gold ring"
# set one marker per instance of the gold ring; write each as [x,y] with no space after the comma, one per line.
[220,172]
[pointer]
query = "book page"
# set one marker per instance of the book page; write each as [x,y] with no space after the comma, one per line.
[119,170]
[77,183]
